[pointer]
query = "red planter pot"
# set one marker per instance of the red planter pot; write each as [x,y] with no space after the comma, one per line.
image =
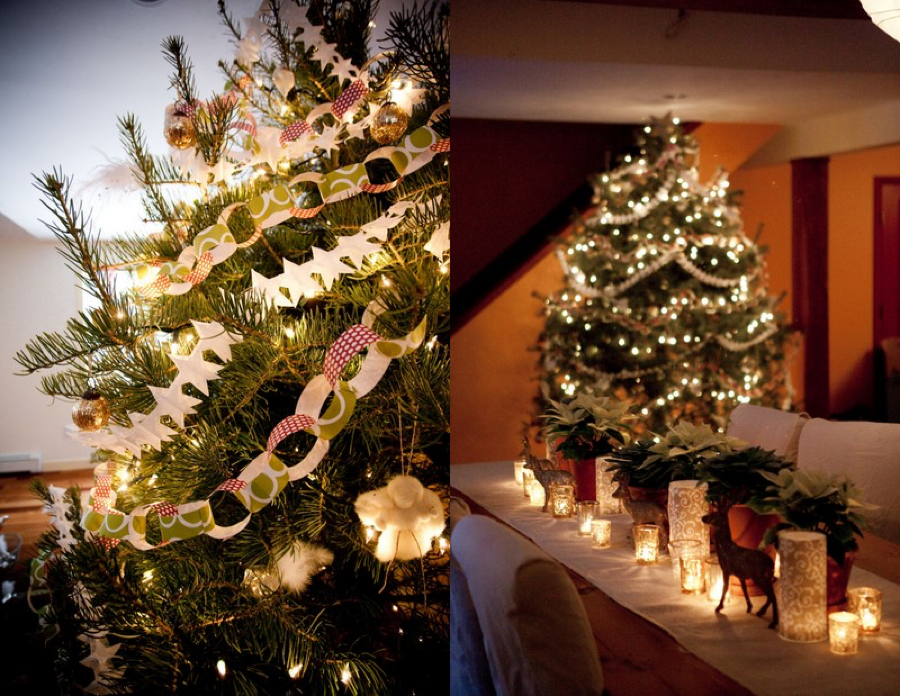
[585,473]
[837,579]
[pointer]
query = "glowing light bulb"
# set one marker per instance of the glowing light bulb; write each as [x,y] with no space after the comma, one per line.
[294,671]
[148,575]
[288,331]
[345,675]
[221,668]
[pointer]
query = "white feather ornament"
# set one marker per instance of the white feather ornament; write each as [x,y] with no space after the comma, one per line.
[297,566]
[407,514]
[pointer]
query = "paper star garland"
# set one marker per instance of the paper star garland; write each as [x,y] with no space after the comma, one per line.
[355,248]
[214,337]
[173,403]
[329,266]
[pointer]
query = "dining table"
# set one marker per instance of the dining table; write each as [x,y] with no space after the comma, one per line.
[654,640]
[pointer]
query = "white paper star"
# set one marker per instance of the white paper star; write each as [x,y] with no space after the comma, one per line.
[299,281]
[214,337]
[270,288]
[149,431]
[126,439]
[173,402]
[269,149]
[392,217]
[328,265]
[284,80]
[328,139]
[355,248]
[247,52]
[193,369]
[439,243]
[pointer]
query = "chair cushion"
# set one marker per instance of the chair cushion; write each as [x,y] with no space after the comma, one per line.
[470,674]
[537,637]
[768,428]
[869,453]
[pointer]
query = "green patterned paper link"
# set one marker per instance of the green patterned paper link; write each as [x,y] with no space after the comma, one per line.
[116,526]
[265,486]
[37,572]
[212,237]
[338,413]
[174,268]
[186,525]
[343,182]
[278,200]
[92,520]
[401,346]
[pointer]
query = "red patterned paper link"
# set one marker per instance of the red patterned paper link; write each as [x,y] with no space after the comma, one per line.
[232,485]
[293,131]
[256,235]
[247,126]
[306,212]
[379,188]
[165,509]
[291,424]
[348,344]
[441,146]
[348,98]
[157,287]
[107,542]
[101,506]
[201,270]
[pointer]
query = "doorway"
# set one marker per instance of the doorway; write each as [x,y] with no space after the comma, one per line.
[886,304]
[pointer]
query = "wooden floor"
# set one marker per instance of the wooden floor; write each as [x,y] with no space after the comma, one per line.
[26,515]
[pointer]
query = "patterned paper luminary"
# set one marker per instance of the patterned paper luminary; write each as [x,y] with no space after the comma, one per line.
[606,503]
[686,507]
[802,608]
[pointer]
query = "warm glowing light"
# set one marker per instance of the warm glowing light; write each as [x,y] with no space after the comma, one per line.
[221,668]
[288,331]
[294,671]
[345,675]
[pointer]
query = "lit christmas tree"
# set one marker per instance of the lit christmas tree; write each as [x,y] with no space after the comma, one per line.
[666,301]
[270,399]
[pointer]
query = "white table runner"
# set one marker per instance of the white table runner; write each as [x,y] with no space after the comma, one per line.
[734,642]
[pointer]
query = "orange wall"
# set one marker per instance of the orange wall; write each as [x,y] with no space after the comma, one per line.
[850,254]
[494,371]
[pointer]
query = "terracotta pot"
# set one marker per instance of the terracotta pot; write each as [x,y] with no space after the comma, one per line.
[747,530]
[660,496]
[838,577]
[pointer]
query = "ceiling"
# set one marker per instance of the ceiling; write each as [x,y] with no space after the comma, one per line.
[831,81]
[71,68]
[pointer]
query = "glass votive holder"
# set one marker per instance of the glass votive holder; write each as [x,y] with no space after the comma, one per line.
[518,468]
[585,512]
[537,496]
[687,558]
[646,543]
[865,602]
[562,499]
[601,534]
[527,480]
[843,632]
[715,582]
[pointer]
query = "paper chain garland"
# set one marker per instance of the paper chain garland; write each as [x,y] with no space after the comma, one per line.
[216,243]
[266,476]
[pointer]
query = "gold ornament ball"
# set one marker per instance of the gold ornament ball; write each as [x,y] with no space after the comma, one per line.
[389,123]
[179,130]
[92,412]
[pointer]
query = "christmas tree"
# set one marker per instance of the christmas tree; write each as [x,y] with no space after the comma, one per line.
[269,398]
[666,302]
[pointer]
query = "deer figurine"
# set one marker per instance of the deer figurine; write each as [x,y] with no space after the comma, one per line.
[644,512]
[743,564]
[546,473]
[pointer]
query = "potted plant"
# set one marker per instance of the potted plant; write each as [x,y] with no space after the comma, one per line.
[816,501]
[585,428]
[646,468]
[732,478]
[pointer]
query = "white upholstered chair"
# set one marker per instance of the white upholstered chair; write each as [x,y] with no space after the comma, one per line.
[869,453]
[523,609]
[768,428]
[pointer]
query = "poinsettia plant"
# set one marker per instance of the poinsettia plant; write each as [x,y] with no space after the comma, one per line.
[677,456]
[587,426]
[737,475]
[814,501]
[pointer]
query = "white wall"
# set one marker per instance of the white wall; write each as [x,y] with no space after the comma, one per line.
[37,294]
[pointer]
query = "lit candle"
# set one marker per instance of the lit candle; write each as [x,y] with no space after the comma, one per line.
[646,543]
[518,468]
[537,494]
[865,602]
[585,510]
[687,565]
[601,534]
[527,480]
[715,582]
[562,496]
[692,580]
[843,632]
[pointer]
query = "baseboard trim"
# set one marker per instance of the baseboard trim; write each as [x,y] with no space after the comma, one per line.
[69,465]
